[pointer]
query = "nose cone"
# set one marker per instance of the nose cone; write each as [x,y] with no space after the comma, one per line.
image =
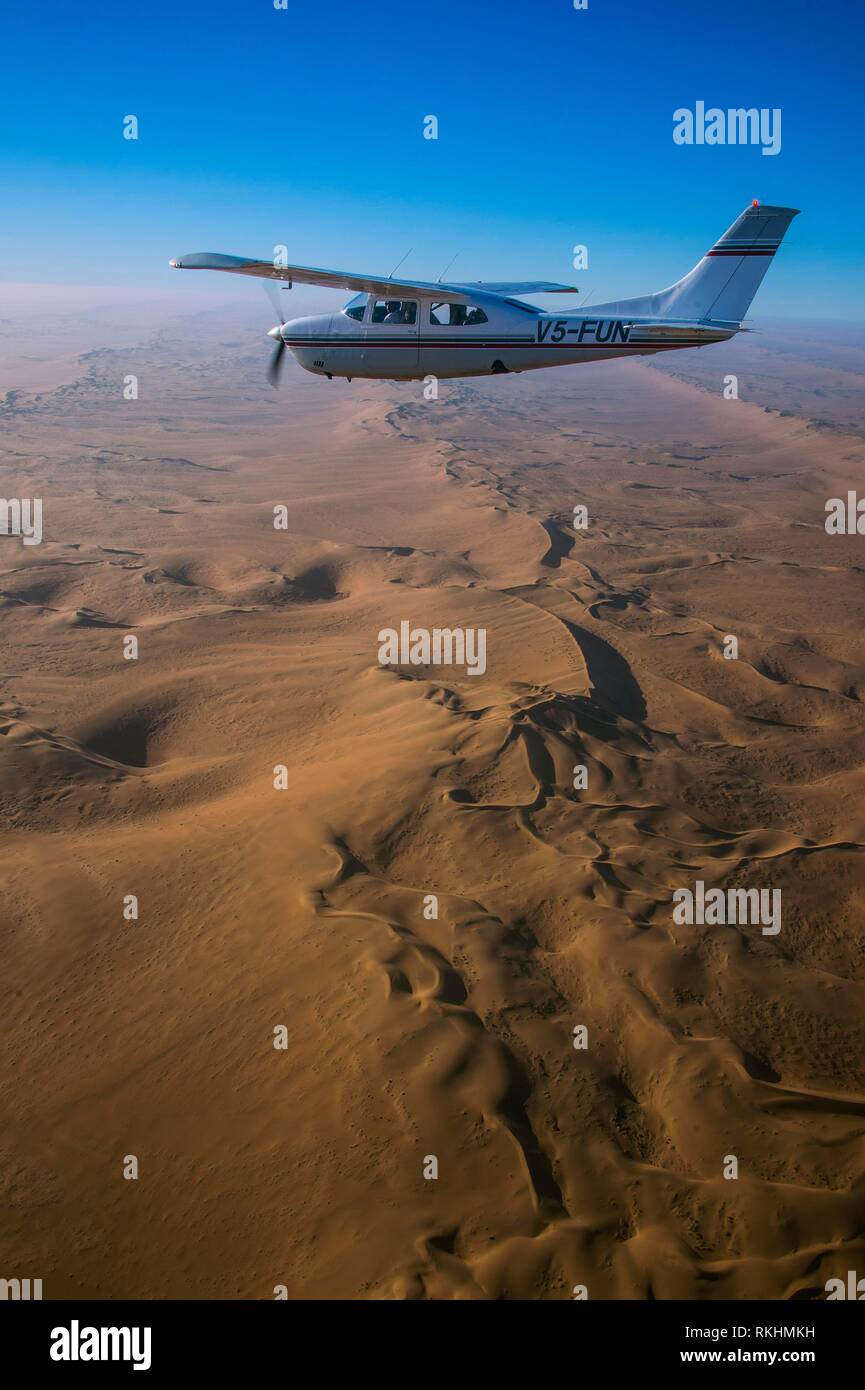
[275,332]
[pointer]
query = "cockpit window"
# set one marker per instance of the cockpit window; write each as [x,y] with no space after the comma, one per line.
[355,307]
[456,315]
[394,311]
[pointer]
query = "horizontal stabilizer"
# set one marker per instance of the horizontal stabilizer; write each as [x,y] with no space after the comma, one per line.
[658,332]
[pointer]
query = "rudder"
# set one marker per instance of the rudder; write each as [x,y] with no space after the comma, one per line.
[722,285]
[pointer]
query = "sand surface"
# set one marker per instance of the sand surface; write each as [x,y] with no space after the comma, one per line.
[410,1036]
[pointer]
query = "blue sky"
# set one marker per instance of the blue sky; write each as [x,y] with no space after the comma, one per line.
[304,126]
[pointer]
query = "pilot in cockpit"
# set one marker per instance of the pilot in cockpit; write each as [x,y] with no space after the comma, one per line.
[393,314]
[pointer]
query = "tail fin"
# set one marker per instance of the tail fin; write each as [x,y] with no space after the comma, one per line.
[722,285]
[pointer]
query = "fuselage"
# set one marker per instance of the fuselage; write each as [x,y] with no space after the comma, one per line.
[420,338]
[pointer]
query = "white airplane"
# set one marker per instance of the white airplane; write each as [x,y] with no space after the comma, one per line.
[408,329]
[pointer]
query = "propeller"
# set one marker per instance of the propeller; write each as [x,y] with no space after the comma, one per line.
[274,367]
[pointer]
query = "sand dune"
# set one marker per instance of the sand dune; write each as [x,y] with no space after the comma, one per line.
[412,1035]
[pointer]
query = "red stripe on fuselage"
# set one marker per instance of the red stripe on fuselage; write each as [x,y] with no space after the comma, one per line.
[584,346]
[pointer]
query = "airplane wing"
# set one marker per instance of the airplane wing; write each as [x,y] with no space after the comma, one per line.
[503,287]
[310,275]
[367,284]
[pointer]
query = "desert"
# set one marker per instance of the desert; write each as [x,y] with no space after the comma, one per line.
[391,913]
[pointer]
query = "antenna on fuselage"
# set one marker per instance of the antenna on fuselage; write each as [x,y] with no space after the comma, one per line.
[446,269]
[399,262]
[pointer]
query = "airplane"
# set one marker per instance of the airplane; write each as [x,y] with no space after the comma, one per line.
[407,330]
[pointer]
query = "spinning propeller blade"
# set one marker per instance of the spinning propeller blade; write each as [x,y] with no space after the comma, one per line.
[274,368]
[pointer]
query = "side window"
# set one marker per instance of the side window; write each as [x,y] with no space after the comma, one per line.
[394,311]
[456,315]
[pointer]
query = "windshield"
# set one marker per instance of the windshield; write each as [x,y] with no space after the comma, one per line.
[355,307]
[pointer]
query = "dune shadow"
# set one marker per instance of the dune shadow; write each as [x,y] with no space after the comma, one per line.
[613,681]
